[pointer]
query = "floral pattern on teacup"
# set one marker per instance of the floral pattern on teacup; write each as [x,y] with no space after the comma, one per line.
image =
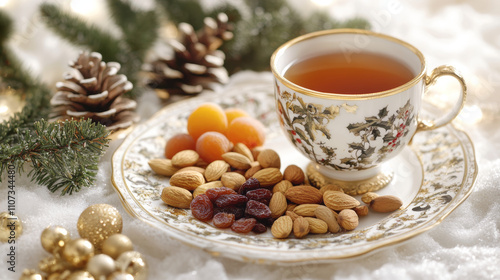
[307,123]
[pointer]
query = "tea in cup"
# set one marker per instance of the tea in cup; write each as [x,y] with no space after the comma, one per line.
[349,100]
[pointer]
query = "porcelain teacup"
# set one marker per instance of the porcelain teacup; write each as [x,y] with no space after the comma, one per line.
[349,137]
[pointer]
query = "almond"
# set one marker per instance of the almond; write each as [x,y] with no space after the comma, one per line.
[291,206]
[368,197]
[348,219]
[162,166]
[282,227]
[269,158]
[188,180]
[300,227]
[329,217]
[185,158]
[252,170]
[305,210]
[232,180]
[277,205]
[241,148]
[215,169]
[316,225]
[292,215]
[304,195]
[236,160]
[256,151]
[176,197]
[294,174]
[282,186]
[193,168]
[325,188]
[201,189]
[268,176]
[386,203]
[361,210]
[338,201]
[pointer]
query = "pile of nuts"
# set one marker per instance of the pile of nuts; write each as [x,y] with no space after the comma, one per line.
[246,191]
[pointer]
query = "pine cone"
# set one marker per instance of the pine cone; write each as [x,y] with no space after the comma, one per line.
[94,90]
[196,64]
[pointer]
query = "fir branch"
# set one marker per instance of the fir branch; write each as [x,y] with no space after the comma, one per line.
[140,33]
[64,156]
[79,32]
[189,11]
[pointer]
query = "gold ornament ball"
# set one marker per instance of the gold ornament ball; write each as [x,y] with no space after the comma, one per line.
[29,274]
[52,265]
[133,263]
[98,222]
[78,252]
[118,275]
[54,238]
[80,275]
[10,227]
[116,245]
[101,265]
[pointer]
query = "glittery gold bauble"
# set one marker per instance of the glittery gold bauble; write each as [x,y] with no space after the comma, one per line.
[80,275]
[10,227]
[116,245]
[78,252]
[118,275]
[52,264]
[133,263]
[29,274]
[101,265]
[54,238]
[98,222]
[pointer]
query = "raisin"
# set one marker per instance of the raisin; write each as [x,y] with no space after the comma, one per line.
[230,200]
[260,195]
[244,225]
[237,211]
[259,228]
[202,208]
[267,221]
[257,209]
[214,193]
[250,184]
[223,220]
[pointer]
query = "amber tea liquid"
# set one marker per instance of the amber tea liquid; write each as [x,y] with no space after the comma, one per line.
[356,73]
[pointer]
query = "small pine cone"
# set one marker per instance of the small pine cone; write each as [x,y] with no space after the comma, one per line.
[93,90]
[196,63]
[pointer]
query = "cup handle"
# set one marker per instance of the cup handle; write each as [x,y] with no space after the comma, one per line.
[444,70]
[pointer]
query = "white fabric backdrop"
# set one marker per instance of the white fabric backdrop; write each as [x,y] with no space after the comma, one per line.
[465,34]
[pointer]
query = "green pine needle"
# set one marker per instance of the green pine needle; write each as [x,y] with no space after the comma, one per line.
[64,156]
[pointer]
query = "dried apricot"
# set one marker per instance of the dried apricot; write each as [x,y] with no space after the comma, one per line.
[233,113]
[212,145]
[202,208]
[177,143]
[244,225]
[246,130]
[223,220]
[206,117]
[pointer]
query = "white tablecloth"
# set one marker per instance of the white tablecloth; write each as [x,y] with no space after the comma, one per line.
[466,244]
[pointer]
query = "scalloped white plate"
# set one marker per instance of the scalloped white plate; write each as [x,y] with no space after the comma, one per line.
[432,177]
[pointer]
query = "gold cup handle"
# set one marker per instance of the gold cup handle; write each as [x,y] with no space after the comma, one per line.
[444,70]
